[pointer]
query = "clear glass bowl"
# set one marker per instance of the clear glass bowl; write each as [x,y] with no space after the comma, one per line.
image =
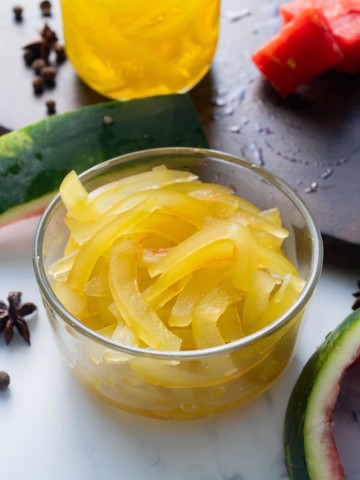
[186,384]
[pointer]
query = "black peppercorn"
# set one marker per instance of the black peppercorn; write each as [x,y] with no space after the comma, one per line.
[38,65]
[45,8]
[51,107]
[49,74]
[28,57]
[59,52]
[4,380]
[18,12]
[38,84]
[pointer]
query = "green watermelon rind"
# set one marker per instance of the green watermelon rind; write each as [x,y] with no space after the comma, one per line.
[35,159]
[306,455]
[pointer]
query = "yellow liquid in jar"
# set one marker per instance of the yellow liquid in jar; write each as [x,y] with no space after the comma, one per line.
[135,48]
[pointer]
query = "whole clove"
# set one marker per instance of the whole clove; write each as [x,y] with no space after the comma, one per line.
[48,35]
[39,49]
[45,8]
[18,13]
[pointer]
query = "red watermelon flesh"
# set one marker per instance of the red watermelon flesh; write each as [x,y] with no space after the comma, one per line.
[330,8]
[346,31]
[303,49]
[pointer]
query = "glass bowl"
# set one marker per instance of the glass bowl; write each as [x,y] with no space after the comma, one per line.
[185,384]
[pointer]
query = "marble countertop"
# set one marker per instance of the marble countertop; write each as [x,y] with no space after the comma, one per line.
[52,428]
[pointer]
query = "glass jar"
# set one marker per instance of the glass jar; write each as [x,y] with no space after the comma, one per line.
[135,48]
[184,384]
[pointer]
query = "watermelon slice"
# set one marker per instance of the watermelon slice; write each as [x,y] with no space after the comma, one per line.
[344,20]
[346,31]
[310,449]
[34,160]
[303,49]
[330,8]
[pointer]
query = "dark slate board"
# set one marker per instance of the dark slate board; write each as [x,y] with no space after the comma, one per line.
[312,137]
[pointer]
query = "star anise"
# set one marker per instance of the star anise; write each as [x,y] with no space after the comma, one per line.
[356,304]
[12,316]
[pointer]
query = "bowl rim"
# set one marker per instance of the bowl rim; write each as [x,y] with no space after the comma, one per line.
[296,308]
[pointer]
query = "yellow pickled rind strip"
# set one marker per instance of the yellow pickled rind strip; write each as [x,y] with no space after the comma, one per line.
[204,324]
[189,247]
[233,202]
[192,188]
[123,334]
[288,292]
[216,253]
[200,284]
[60,269]
[75,303]
[257,300]
[104,198]
[178,207]
[246,255]
[137,313]
[104,238]
[72,191]
[275,261]
[107,331]
[177,203]
[70,246]
[162,260]
[172,291]
[229,324]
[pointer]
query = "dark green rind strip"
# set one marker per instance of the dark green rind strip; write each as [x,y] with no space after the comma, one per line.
[296,411]
[35,159]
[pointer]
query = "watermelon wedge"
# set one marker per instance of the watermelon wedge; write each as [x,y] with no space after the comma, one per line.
[310,449]
[344,20]
[34,160]
[346,31]
[330,8]
[303,49]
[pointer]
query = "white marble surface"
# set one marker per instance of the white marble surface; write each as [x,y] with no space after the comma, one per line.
[52,429]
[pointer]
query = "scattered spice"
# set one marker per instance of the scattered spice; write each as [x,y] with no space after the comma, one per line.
[108,120]
[48,35]
[28,57]
[45,8]
[356,303]
[4,380]
[59,52]
[38,84]
[37,55]
[51,107]
[48,73]
[18,13]
[38,49]
[38,65]
[12,316]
